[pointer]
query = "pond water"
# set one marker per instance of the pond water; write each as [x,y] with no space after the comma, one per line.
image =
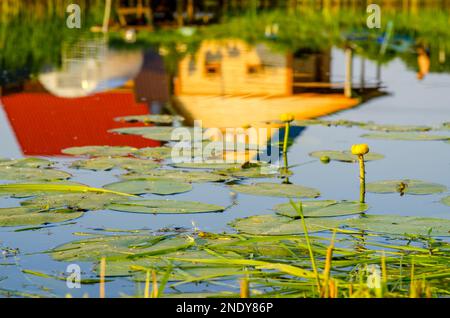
[32,125]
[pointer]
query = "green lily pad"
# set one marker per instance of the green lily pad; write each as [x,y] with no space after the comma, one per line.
[396,224]
[164,207]
[31,216]
[344,156]
[396,128]
[158,133]
[174,174]
[181,270]
[146,119]
[322,208]
[22,190]
[446,200]
[254,170]
[26,163]
[119,246]
[161,187]
[276,190]
[446,125]
[73,201]
[405,187]
[99,151]
[312,122]
[31,174]
[407,136]
[105,164]
[156,153]
[282,225]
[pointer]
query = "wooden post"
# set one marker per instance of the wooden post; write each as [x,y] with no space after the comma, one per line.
[106,16]
[190,10]
[348,72]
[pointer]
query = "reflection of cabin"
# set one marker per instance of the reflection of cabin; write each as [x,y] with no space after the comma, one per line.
[231,84]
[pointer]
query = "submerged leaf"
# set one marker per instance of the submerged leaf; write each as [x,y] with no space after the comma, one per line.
[162,187]
[30,189]
[344,156]
[276,189]
[74,201]
[105,163]
[446,200]
[405,186]
[119,246]
[156,153]
[31,216]
[282,225]
[396,224]
[26,163]
[28,174]
[99,151]
[322,208]
[164,207]
[395,128]
[159,133]
[174,174]
[157,119]
[405,136]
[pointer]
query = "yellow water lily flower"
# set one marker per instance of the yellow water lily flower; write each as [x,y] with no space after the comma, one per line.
[287,118]
[360,149]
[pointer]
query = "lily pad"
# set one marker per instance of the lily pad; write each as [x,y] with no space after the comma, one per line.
[105,164]
[156,153]
[99,151]
[276,190]
[174,174]
[31,216]
[165,207]
[407,136]
[158,133]
[161,187]
[312,122]
[344,156]
[119,246]
[26,163]
[22,190]
[322,208]
[146,119]
[255,170]
[31,174]
[282,225]
[405,187]
[395,128]
[206,165]
[396,224]
[446,200]
[73,201]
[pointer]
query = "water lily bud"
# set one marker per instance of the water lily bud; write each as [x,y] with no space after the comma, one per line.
[360,149]
[287,118]
[325,159]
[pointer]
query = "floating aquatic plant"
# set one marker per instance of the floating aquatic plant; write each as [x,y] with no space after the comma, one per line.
[405,186]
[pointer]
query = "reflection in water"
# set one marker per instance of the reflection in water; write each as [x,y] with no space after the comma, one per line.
[88,67]
[254,84]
